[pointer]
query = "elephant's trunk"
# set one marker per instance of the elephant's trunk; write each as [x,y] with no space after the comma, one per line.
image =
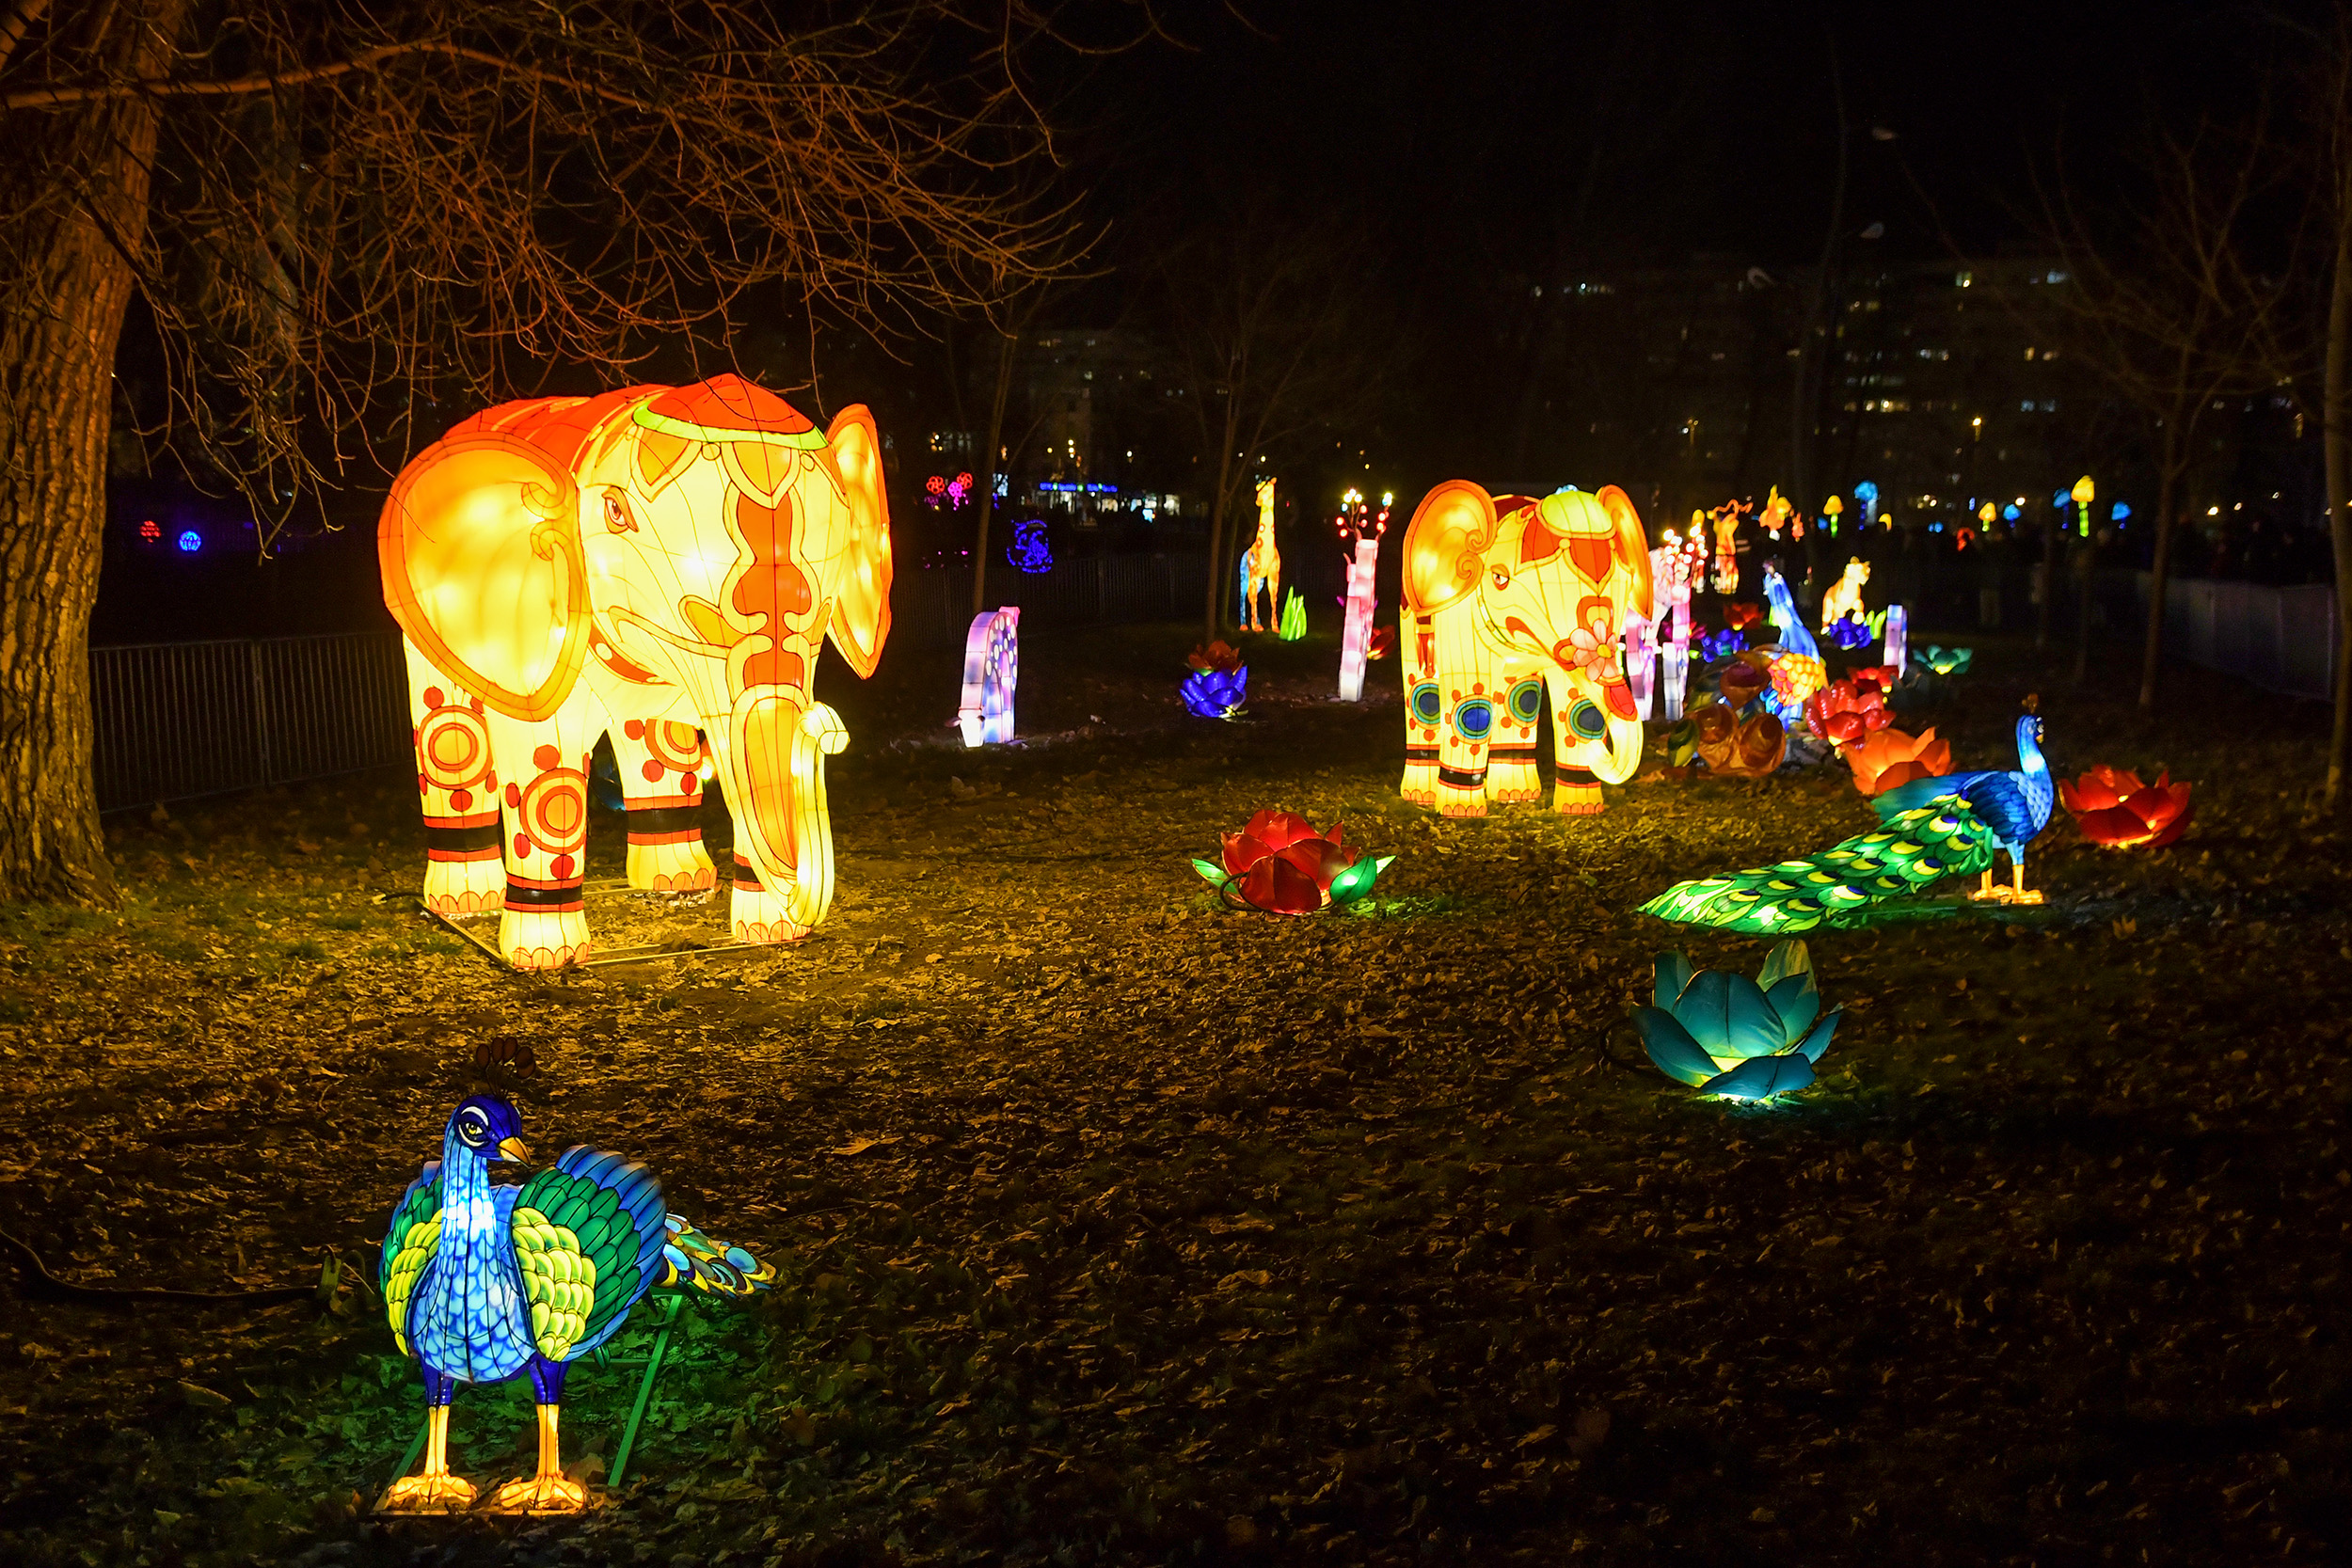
[776,779]
[1624,748]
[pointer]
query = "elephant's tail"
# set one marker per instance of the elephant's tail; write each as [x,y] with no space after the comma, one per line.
[1911,851]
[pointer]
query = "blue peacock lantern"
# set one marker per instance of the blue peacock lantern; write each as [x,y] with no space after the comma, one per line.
[482,1282]
[1930,828]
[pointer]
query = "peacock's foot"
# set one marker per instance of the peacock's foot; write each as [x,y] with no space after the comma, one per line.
[427,1493]
[2022,895]
[543,1494]
[1999,893]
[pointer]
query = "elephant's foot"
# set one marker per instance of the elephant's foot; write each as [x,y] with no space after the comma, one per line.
[1575,799]
[433,1492]
[763,916]
[1461,803]
[1512,783]
[682,867]
[465,887]
[544,939]
[1419,787]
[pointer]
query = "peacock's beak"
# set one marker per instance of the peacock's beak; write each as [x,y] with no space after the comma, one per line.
[514,1148]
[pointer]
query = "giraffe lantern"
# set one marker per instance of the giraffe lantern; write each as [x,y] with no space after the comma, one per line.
[1263,564]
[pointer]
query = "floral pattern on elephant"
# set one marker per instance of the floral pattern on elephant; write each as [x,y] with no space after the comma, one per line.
[1506,601]
[658,564]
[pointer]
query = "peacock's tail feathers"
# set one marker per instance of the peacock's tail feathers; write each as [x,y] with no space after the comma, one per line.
[1910,852]
[590,1226]
[692,1258]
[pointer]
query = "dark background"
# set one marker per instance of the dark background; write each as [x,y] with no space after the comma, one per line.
[1460,156]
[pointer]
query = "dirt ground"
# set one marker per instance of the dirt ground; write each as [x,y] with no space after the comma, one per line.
[1114,1227]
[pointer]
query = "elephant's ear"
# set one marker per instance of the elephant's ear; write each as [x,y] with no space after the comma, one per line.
[859,579]
[1446,545]
[483,569]
[1631,546]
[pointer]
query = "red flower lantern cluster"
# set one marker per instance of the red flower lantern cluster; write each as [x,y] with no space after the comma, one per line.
[2111,807]
[1743,615]
[1845,711]
[1220,657]
[1280,865]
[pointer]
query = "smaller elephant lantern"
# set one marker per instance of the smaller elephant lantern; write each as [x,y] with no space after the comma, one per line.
[1505,600]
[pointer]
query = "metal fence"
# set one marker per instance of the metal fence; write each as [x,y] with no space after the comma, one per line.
[176,720]
[2284,638]
[179,719]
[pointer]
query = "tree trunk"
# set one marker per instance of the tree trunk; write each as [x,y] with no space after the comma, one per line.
[59,326]
[2333,436]
[2160,567]
[988,471]
[2049,585]
[1218,503]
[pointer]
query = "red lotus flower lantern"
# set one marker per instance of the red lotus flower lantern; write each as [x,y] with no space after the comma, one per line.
[1843,712]
[2111,807]
[1280,865]
[1382,643]
[1220,657]
[1743,615]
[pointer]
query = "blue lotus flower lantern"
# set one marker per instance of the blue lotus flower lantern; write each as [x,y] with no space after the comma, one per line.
[1726,1035]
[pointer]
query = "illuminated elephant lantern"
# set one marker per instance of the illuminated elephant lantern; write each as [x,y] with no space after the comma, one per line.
[1504,599]
[647,563]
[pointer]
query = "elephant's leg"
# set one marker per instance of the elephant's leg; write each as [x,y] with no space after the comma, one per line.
[457,781]
[545,806]
[1425,709]
[778,804]
[661,784]
[1511,775]
[1465,673]
[1579,732]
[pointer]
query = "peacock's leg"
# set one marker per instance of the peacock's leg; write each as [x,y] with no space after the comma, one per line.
[548,1490]
[2017,869]
[433,1489]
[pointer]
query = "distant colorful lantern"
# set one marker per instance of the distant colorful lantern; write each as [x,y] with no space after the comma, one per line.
[1216,693]
[1843,597]
[1948,661]
[1833,509]
[1294,622]
[1727,1035]
[2083,494]
[1261,566]
[190,542]
[1280,864]
[991,669]
[1361,529]
[1897,652]
[150,531]
[1029,551]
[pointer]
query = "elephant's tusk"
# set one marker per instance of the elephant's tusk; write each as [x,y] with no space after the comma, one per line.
[707,650]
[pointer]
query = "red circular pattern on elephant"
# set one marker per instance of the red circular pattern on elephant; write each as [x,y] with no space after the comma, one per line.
[454,747]
[553,810]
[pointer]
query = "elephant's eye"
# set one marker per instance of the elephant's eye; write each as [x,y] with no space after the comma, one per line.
[616,517]
[1503,577]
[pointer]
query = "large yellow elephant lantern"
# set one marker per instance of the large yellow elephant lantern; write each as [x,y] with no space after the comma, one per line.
[649,563]
[1504,599]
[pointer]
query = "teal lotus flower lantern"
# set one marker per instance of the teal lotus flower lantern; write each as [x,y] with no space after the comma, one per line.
[1726,1035]
[1949,661]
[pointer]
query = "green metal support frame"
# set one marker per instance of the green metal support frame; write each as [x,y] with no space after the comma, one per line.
[666,1309]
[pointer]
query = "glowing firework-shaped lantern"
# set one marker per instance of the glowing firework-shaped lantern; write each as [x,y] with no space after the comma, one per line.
[1360,527]
[992,667]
